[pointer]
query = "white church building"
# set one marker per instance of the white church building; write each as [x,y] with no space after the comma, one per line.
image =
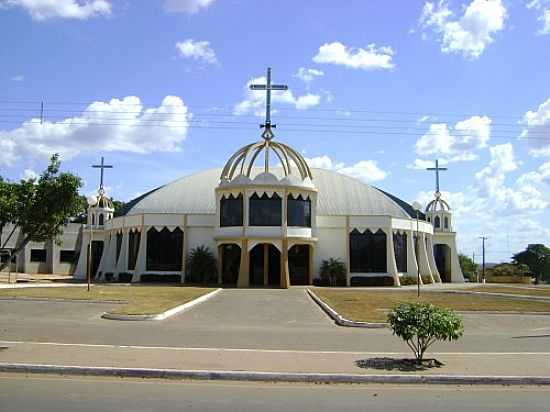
[270,220]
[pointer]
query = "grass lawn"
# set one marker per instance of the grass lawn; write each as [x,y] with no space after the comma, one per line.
[138,300]
[373,306]
[513,290]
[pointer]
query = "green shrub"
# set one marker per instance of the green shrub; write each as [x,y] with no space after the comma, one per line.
[508,269]
[422,324]
[333,271]
[408,280]
[426,279]
[201,266]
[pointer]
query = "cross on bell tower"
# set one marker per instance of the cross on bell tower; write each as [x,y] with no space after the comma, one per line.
[102,166]
[437,169]
[268,133]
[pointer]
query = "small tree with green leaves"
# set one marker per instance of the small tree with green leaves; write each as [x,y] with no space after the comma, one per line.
[333,271]
[420,325]
[468,266]
[40,207]
[537,258]
[201,265]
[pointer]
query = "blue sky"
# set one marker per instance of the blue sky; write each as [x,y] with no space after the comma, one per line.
[378,89]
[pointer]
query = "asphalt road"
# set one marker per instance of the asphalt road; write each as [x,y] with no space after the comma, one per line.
[254,319]
[55,394]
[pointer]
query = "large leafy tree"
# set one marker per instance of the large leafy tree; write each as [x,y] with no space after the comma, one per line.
[39,207]
[537,257]
[469,268]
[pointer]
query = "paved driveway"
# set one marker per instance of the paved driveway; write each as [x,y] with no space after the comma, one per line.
[255,319]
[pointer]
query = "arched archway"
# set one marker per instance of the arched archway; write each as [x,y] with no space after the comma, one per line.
[265,265]
[299,264]
[442,255]
[230,255]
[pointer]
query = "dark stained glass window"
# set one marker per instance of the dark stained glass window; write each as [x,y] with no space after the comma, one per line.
[400,249]
[67,256]
[265,210]
[38,255]
[367,252]
[118,244]
[133,248]
[231,210]
[164,250]
[299,211]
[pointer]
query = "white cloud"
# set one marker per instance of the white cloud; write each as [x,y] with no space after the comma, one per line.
[542,6]
[29,174]
[458,142]
[186,6]
[66,9]
[469,34]
[308,75]
[18,78]
[118,125]
[537,129]
[365,170]
[254,101]
[196,50]
[369,58]
[421,164]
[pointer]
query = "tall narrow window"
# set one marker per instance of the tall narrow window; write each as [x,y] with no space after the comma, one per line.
[101,219]
[164,250]
[400,249]
[231,210]
[134,238]
[118,244]
[368,252]
[437,222]
[446,222]
[299,211]
[265,210]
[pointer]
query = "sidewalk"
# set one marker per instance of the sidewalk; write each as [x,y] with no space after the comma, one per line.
[205,359]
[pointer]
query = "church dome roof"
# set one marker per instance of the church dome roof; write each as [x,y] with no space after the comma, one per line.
[338,195]
[438,204]
[240,166]
[103,201]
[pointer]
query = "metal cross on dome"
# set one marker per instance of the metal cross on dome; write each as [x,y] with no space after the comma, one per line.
[102,166]
[268,133]
[437,169]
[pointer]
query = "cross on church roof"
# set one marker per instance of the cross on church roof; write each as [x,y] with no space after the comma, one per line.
[102,166]
[268,133]
[437,169]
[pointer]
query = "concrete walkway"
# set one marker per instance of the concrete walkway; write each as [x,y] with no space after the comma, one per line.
[220,359]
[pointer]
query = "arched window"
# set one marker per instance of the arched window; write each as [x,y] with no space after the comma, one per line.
[231,210]
[437,222]
[118,244]
[134,238]
[429,219]
[265,210]
[299,211]
[400,249]
[101,219]
[93,219]
[367,252]
[446,222]
[164,250]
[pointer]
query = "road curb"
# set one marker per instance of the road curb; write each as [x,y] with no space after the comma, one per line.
[339,319]
[163,315]
[271,376]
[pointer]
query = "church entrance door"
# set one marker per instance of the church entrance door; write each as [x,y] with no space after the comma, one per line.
[298,264]
[231,261]
[442,255]
[265,265]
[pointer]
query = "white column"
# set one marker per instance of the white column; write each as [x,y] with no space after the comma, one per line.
[423,256]
[141,259]
[391,265]
[82,265]
[431,259]
[412,264]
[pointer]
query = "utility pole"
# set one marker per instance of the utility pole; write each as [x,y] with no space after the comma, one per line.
[474,264]
[483,239]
